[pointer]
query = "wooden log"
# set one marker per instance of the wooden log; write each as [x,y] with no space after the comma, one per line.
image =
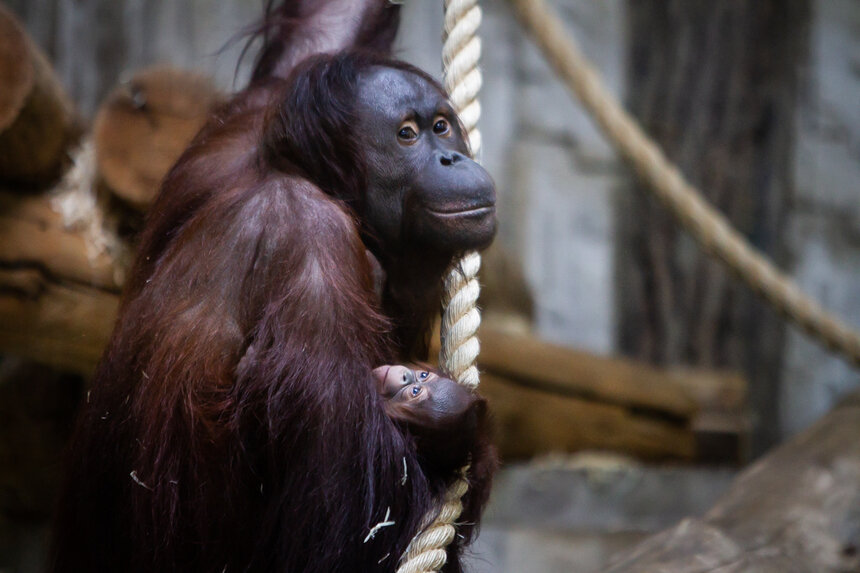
[795,510]
[697,414]
[65,325]
[58,303]
[58,299]
[580,374]
[144,126]
[33,234]
[532,422]
[37,121]
[723,424]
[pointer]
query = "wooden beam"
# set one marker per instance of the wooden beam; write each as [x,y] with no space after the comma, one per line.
[33,234]
[580,374]
[532,422]
[723,424]
[549,398]
[58,301]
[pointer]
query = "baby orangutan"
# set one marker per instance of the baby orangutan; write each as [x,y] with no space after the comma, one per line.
[449,423]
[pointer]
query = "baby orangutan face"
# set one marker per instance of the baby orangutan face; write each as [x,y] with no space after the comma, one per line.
[420,396]
[440,414]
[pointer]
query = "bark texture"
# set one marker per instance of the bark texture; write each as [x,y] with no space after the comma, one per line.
[715,83]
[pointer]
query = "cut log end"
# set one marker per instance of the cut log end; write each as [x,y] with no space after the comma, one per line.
[16,68]
[145,125]
[37,120]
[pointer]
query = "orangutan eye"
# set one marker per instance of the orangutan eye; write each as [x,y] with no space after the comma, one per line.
[423,375]
[415,390]
[441,127]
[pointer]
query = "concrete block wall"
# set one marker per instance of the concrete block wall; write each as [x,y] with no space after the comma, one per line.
[824,230]
[570,515]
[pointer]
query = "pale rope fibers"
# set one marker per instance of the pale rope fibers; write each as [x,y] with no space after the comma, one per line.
[461,318]
[707,226]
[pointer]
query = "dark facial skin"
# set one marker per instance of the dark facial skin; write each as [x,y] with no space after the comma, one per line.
[423,189]
[441,415]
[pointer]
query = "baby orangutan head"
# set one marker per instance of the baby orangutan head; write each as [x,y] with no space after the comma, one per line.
[444,418]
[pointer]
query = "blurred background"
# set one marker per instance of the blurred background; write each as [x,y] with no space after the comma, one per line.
[632,377]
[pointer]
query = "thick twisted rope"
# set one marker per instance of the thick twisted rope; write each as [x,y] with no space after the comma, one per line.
[426,552]
[708,227]
[460,54]
[460,321]
[461,318]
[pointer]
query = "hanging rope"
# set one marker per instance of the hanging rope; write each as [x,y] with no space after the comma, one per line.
[461,318]
[708,227]
[460,54]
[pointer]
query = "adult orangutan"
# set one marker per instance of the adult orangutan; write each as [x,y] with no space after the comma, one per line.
[234,423]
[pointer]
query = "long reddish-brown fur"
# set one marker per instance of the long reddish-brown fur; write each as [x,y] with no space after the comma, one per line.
[233,424]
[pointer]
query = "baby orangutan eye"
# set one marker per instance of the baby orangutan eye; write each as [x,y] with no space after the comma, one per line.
[415,390]
[423,375]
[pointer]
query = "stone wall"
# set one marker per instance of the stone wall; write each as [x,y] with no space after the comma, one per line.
[824,230]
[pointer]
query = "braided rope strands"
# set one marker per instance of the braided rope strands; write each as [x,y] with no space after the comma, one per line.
[461,318]
[460,54]
[426,553]
[707,226]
